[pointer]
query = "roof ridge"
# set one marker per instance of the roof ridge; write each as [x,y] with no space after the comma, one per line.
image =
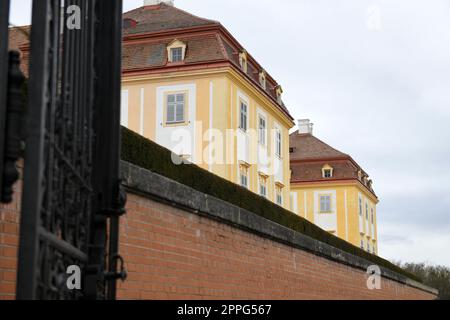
[190,14]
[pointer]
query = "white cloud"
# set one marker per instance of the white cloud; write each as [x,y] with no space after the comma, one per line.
[408,243]
[380,95]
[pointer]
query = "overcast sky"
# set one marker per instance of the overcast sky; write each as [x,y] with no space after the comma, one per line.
[374,77]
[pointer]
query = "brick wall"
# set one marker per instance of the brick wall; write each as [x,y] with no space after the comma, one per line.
[174,253]
[9,239]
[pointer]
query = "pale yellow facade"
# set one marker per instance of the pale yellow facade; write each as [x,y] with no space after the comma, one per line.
[347,218]
[213,98]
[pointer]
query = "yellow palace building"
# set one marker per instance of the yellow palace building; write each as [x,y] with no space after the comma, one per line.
[191,87]
[331,190]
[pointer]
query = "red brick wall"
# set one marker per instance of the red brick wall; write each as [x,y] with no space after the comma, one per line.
[173,254]
[9,239]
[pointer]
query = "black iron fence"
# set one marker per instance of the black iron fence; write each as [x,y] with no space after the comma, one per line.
[71,200]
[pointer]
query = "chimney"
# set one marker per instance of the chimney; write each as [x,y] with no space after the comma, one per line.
[156,2]
[305,126]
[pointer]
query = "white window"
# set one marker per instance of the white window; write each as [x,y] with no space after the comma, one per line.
[327,171]
[176,54]
[175,112]
[263,186]
[367,212]
[279,92]
[244,176]
[262,130]
[360,207]
[243,116]
[279,195]
[325,203]
[243,61]
[371,215]
[278,142]
[262,79]
[176,51]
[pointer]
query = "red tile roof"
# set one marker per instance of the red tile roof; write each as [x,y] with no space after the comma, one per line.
[165,22]
[307,146]
[19,36]
[309,155]
[162,17]
[148,30]
[143,55]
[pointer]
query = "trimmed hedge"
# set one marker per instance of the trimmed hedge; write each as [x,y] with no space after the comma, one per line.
[149,155]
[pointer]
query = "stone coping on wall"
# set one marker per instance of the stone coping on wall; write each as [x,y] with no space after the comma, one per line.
[149,184]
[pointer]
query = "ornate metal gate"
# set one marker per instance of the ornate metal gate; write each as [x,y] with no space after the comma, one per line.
[71,200]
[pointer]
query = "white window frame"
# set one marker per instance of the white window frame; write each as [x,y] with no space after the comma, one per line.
[279,195]
[176,104]
[262,80]
[176,44]
[243,116]
[324,205]
[172,56]
[367,211]
[243,61]
[243,169]
[262,186]
[262,131]
[278,142]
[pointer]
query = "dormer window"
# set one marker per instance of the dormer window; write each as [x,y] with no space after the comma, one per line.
[360,174]
[365,180]
[279,92]
[327,172]
[243,60]
[262,79]
[176,51]
[176,54]
[129,23]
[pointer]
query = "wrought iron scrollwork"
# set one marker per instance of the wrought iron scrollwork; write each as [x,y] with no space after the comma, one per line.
[72,152]
[14,113]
